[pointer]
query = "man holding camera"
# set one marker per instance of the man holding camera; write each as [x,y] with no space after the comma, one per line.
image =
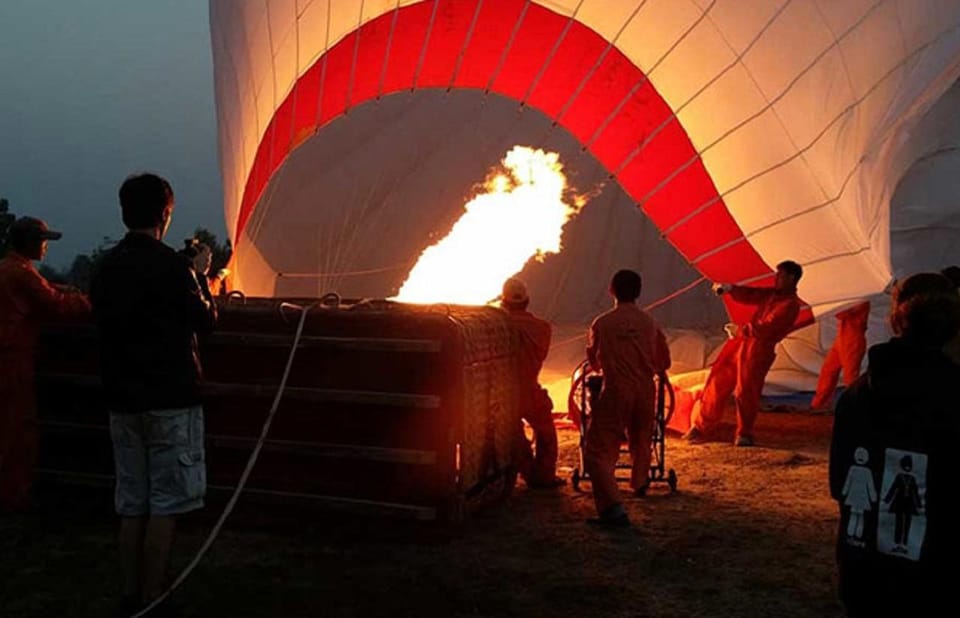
[150,304]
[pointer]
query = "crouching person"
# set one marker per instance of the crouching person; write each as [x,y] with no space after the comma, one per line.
[150,304]
[627,345]
[539,470]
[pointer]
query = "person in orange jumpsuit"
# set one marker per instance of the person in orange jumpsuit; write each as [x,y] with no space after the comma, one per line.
[745,359]
[845,354]
[538,470]
[628,347]
[26,298]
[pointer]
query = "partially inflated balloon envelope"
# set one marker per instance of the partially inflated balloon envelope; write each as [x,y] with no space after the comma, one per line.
[713,138]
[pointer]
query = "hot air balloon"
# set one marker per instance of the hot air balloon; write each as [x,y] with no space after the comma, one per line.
[717,137]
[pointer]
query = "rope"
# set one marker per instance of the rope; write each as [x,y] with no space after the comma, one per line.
[246,472]
[266,429]
[386,56]
[509,45]
[345,273]
[353,62]
[657,303]
[426,42]
[549,59]
[466,44]
[673,295]
[645,78]
[611,44]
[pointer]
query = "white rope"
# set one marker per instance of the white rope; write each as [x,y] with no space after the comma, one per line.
[648,307]
[246,472]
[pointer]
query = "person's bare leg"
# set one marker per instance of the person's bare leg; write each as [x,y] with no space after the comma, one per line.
[156,555]
[131,554]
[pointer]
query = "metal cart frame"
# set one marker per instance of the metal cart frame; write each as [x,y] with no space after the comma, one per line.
[584,390]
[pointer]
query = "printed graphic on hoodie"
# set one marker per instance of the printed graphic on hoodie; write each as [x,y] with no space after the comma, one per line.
[859,494]
[903,521]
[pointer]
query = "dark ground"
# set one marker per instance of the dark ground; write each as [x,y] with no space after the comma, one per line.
[750,533]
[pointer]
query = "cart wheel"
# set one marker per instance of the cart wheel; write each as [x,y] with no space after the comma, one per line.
[672,479]
[575,479]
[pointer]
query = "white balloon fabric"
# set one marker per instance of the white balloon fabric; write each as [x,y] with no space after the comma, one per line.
[748,131]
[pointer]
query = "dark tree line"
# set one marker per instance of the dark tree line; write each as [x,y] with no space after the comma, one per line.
[83,265]
[6,220]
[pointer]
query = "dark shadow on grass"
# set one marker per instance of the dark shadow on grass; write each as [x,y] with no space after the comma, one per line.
[685,556]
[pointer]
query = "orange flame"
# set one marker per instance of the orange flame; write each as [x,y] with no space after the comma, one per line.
[521,215]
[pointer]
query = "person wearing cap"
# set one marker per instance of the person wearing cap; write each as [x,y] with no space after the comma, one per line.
[26,300]
[627,345]
[150,304]
[538,470]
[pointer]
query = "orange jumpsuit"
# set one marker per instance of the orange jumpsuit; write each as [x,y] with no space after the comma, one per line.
[845,354]
[535,405]
[627,345]
[25,299]
[744,361]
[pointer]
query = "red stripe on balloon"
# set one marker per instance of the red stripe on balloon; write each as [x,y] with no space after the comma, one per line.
[490,37]
[536,36]
[306,95]
[311,105]
[374,37]
[337,79]
[446,41]
[408,39]
[574,59]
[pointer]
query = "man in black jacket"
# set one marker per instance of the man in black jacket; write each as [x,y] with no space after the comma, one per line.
[150,303]
[894,464]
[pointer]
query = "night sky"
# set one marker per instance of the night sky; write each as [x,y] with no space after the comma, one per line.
[94,90]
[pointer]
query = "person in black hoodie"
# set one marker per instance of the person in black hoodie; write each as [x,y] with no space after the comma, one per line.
[894,465]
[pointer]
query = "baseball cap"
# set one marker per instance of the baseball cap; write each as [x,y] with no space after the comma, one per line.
[514,292]
[33,229]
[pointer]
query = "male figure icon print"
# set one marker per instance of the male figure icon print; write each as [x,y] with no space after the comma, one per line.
[902,523]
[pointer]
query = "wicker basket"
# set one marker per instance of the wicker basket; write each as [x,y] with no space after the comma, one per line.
[395,409]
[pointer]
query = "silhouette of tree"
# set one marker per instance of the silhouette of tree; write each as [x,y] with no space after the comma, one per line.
[52,275]
[80,272]
[6,220]
[84,265]
[221,253]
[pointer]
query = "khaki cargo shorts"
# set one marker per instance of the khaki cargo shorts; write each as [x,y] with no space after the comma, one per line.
[159,461]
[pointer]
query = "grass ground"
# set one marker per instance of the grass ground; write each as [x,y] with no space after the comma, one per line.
[749,533]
